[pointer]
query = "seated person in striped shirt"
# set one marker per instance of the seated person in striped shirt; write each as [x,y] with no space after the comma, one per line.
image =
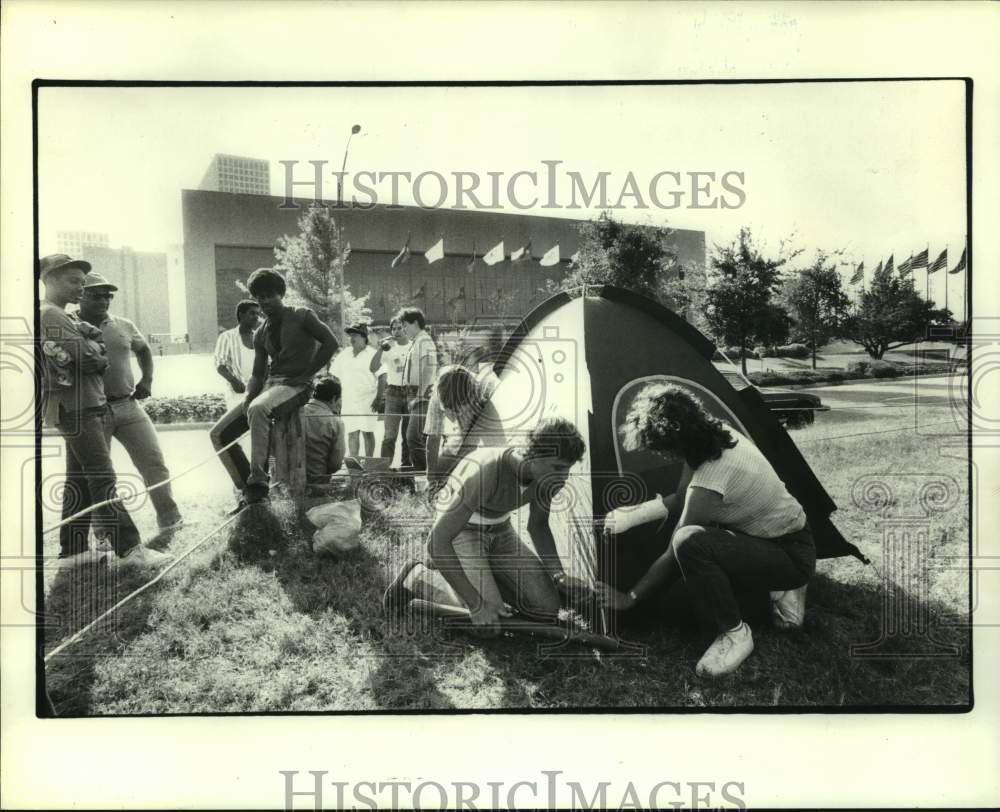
[739,528]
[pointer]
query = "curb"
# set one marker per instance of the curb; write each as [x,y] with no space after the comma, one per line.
[51,432]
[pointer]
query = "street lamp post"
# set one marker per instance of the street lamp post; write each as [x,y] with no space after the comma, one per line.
[340,231]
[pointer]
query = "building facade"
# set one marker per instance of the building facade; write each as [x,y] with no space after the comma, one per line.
[141,279]
[237,175]
[73,242]
[227,236]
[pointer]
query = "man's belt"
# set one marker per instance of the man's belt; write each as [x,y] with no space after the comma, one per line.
[395,387]
[118,399]
[414,391]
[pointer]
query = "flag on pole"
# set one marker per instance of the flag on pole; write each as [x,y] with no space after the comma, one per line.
[905,267]
[940,262]
[403,255]
[920,260]
[435,252]
[494,255]
[878,269]
[859,274]
[888,265]
[521,254]
[551,257]
[574,259]
[470,267]
[961,264]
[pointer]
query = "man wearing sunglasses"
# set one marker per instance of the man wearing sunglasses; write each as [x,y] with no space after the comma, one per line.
[129,423]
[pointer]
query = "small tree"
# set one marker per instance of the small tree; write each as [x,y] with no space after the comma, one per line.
[891,314]
[313,263]
[739,309]
[818,304]
[635,257]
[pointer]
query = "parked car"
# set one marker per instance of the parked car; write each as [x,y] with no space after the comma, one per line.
[793,408]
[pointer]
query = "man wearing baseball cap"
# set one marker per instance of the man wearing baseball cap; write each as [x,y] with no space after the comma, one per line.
[129,423]
[73,364]
[362,378]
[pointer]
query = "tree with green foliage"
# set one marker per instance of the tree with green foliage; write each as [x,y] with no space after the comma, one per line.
[313,263]
[818,304]
[891,314]
[740,306]
[635,257]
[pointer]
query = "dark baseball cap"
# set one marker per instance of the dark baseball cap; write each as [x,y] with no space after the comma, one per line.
[95,280]
[360,328]
[53,262]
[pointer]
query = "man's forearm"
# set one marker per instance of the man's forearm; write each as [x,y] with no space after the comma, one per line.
[254,387]
[545,546]
[223,370]
[145,358]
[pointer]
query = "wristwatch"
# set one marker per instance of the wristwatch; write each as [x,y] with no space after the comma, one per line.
[559,578]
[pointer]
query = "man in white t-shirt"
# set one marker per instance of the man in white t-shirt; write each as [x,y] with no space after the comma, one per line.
[234,352]
[362,380]
[394,351]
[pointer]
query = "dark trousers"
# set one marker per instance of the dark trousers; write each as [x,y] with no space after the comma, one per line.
[397,421]
[717,562]
[415,434]
[90,479]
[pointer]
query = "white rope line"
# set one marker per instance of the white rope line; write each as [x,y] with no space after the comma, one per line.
[87,510]
[77,635]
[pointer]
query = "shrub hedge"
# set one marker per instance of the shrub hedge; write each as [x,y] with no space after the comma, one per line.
[192,409]
[857,370]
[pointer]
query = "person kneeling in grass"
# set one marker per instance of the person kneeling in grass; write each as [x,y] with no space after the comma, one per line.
[475,557]
[739,527]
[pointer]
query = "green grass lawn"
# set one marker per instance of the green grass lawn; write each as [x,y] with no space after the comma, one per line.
[254,621]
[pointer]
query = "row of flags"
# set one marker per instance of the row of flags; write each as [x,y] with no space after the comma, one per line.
[911,264]
[496,254]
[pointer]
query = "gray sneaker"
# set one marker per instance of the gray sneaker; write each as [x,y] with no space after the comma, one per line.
[788,608]
[727,653]
[142,557]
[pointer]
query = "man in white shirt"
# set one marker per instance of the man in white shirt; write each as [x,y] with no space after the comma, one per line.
[234,352]
[362,380]
[394,352]
[419,374]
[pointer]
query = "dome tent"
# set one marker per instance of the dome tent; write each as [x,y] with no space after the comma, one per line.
[585,358]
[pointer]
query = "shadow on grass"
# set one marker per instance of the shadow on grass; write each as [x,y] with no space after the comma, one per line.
[350,586]
[77,597]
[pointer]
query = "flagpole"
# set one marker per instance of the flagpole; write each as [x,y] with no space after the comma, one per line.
[945,284]
[967,299]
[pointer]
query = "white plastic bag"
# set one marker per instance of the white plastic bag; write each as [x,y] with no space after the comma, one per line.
[341,526]
[322,515]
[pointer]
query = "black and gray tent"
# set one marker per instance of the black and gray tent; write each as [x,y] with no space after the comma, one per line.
[585,358]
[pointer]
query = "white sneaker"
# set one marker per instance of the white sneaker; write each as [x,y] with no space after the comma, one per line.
[726,654]
[788,609]
[84,559]
[142,557]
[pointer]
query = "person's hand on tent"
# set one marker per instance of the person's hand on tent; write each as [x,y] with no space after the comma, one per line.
[486,619]
[576,589]
[611,598]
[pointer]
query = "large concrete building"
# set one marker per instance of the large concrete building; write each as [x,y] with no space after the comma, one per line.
[237,175]
[141,278]
[73,242]
[227,236]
